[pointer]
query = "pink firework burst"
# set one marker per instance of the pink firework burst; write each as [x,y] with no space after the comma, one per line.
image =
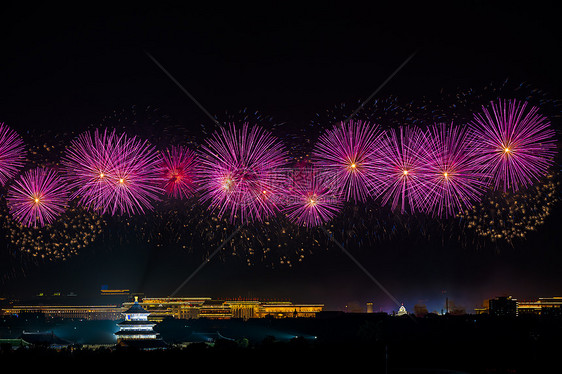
[113,173]
[344,156]
[451,171]
[242,172]
[309,199]
[179,172]
[12,153]
[400,169]
[38,197]
[134,176]
[516,145]
[87,167]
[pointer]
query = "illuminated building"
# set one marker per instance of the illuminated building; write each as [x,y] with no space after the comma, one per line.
[105,312]
[288,309]
[137,331]
[214,309]
[178,308]
[105,291]
[402,311]
[205,307]
[116,295]
[543,306]
[482,310]
[369,307]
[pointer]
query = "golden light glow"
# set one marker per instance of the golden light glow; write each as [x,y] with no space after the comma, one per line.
[37,200]
[446,175]
[405,172]
[121,180]
[102,175]
[353,165]
[506,150]
[226,184]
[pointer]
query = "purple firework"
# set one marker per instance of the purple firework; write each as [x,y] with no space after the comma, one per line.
[113,173]
[87,168]
[12,153]
[134,176]
[38,197]
[400,169]
[344,156]
[242,172]
[451,171]
[309,199]
[516,145]
[179,172]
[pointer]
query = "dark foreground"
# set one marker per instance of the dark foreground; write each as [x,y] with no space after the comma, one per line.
[376,343]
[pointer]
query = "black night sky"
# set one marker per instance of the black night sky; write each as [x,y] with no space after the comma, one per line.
[66,68]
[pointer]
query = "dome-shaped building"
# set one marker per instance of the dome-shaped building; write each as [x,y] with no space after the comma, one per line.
[402,311]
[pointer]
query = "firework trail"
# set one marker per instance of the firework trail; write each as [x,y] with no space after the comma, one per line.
[400,169]
[113,173]
[511,216]
[344,156]
[451,171]
[179,171]
[12,153]
[309,200]
[243,173]
[517,145]
[133,175]
[74,230]
[87,167]
[524,201]
[38,197]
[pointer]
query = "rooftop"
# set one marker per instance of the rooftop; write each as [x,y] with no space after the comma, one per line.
[136,308]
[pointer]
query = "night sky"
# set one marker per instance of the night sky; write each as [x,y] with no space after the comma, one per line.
[64,69]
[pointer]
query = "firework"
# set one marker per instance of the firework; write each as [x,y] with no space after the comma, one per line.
[344,156]
[133,176]
[113,173]
[242,172]
[400,169]
[310,201]
[75,229]
[178,170]
[12,153]
[510,216]
[87,168]
[451,171]
[517,145]
[38,197]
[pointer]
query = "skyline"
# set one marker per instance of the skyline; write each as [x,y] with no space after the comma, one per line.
[65,74]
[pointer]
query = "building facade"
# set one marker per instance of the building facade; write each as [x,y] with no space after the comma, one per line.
[547,306]
[178,308]
[104,312]
[508,306]
[504,306]
[205,307]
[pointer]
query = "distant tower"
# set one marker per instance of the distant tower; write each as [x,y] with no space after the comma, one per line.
[136,330]
[369,307]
